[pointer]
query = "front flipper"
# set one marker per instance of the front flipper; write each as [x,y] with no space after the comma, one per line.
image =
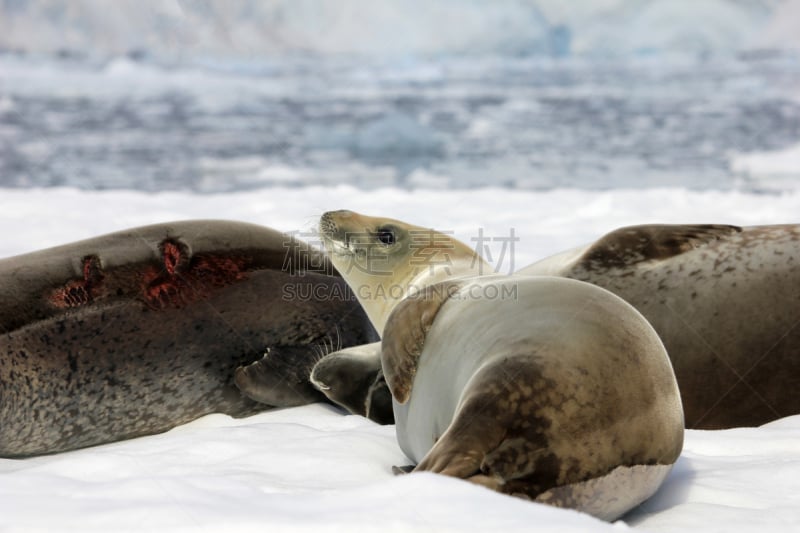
[280,378]
[463,449]
[497,435]
[634,244]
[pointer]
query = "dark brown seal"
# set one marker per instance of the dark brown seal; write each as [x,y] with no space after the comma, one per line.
[135,332]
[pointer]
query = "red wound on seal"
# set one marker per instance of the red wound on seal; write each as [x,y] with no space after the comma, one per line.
[184,279]
[173,254]
[80,292]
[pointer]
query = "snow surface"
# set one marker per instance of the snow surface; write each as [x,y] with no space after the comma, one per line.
[315,469]
[780,168]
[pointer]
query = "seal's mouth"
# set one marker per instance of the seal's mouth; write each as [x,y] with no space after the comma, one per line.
[338,248]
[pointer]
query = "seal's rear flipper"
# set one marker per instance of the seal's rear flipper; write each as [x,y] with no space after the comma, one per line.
[400,470]
[279,378]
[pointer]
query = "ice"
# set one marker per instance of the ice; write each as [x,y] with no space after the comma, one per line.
[774,170]
[545,221]
[521,123]
[303,469]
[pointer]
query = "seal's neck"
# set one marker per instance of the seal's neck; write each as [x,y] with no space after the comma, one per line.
[386,297]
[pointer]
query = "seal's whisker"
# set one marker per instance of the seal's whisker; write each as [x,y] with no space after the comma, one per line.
[320,352]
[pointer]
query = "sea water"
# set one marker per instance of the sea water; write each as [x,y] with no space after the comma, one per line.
[517,123]
[519,94]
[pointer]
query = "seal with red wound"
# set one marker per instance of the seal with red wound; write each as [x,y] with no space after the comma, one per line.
[135,332]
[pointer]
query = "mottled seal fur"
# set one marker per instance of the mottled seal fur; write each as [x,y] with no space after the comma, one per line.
[135,332]
[541,387]
[725,301]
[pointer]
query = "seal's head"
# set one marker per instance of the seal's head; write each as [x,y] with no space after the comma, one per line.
[385,260]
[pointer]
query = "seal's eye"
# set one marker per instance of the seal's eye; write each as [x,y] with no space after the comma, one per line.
[386,236]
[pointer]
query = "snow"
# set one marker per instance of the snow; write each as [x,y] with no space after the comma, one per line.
[315,469]
[770,170]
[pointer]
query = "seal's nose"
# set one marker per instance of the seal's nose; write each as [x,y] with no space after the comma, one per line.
[338,215]
[328,222]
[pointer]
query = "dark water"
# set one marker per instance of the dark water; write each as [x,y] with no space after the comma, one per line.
[452,123]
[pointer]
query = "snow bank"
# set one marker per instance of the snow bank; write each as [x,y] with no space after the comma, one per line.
[545,222]
[315,469]
[770,170]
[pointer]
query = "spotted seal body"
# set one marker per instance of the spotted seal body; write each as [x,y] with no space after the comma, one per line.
[546,388]
[725,301]
[135,332]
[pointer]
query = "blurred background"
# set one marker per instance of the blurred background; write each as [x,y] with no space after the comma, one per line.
[232,95]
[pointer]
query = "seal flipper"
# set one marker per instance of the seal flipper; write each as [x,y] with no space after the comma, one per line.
[400,470]
[494,446]
[405,333]
[280,378]
[461,451]
[634,244]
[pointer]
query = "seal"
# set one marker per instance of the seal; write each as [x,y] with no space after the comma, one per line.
[542,387]
[135,332]
[725,301]
[353,378]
